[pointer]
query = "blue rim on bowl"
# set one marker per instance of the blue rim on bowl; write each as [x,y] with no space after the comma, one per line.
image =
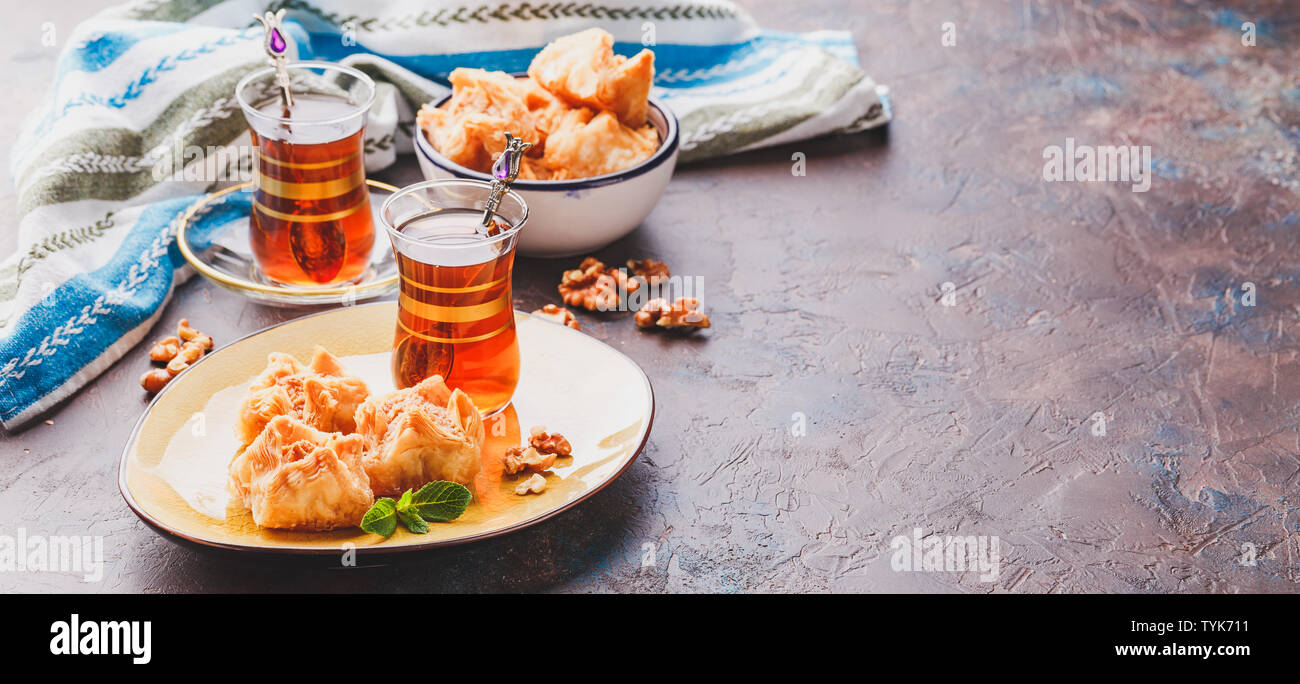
[667,145]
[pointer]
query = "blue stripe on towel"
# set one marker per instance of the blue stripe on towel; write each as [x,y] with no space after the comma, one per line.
[80,342]
[101,50]
[137,86]
[686,65]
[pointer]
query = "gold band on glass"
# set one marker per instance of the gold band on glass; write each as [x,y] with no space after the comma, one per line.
[308,218]
[307,165]
[318,190]
[454,290]
[452,340]
[454,314]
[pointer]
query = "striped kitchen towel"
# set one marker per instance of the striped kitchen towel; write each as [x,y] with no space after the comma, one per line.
[103,169]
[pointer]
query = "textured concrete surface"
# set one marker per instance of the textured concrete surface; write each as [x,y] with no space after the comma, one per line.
[826,295]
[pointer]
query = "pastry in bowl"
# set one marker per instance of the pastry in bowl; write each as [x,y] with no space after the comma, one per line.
[468,129]
[582,107]
[418,435]
[295,477]
[583,70]
[603,148]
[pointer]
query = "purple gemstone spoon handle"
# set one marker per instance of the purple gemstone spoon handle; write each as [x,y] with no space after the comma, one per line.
[276,47]
[504,172]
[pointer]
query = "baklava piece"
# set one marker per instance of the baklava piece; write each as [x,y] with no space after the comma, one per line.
[420,434]
[583,108]
[322,395]
[582,69]
[295,477]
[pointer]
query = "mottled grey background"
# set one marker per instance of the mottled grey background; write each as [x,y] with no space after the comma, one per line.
[824,291]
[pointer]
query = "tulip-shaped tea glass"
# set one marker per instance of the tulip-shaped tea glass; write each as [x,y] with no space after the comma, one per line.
[311,223]
[455,317]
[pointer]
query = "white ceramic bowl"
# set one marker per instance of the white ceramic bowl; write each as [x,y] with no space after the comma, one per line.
[571,217]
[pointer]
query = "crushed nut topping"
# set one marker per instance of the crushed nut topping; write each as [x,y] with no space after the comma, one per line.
[164,350]
[549,442]
[595,288]
[518,459]
[654,272]
[154,380]
[559,315]
[683,313]
[535,485]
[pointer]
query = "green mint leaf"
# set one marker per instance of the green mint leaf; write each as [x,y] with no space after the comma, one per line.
[404,502]
[381,519]
[413,522]
[440,501]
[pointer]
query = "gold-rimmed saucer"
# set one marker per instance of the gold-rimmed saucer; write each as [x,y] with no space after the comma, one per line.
[213,238]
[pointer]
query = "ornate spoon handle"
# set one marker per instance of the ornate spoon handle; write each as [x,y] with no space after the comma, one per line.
[276,47]
[504,172]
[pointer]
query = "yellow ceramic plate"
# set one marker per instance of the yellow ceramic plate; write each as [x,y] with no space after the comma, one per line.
[173,469]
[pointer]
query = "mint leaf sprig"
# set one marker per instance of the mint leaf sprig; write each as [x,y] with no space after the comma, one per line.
[381,519]
[438,501]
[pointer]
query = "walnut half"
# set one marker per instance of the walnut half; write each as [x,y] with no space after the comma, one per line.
[549,442]
[683,313]
[654,272]
[558,314]
[517,459]
[533,485]
[595,288]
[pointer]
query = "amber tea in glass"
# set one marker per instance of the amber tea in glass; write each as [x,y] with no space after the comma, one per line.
[311,223]
[455,316]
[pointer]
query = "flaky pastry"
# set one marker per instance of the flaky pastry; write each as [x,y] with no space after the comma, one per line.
[322,395]
[582,69]
[295,477]
[583,108]
[420,434]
